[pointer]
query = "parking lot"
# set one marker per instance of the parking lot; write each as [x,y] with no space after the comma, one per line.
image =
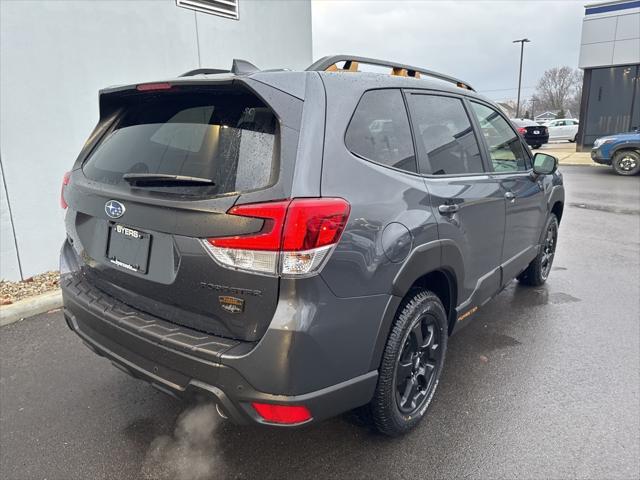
[544,382]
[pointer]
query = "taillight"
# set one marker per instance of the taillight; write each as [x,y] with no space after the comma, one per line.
[65,181]
[283,414]
[522,130]
[295,239]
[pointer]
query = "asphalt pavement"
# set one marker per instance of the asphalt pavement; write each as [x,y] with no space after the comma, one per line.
[543,383]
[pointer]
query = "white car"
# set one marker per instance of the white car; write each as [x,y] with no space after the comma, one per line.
[563,129]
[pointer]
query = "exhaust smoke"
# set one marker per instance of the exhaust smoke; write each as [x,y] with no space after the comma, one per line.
[190,453]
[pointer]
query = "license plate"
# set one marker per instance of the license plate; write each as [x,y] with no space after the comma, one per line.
[128,248]
[536,132]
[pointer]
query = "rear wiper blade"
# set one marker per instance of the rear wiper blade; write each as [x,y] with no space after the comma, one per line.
[164,179]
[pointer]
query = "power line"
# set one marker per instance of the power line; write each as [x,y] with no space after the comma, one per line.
[504,89]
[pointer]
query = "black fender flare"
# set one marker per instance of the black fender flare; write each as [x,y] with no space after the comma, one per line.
[438,255]
[556,195]
[625,146]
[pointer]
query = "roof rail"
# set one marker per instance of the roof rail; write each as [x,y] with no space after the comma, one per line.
[328,64]
[239,67]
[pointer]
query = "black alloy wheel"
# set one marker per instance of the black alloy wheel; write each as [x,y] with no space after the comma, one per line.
[417,364]
[540,267]
[549,249]
[411,364]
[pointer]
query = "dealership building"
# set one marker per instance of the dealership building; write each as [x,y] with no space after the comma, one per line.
[56,55]
[610,58]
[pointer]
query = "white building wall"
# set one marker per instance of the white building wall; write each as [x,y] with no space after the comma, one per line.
[55,56]
[610,38]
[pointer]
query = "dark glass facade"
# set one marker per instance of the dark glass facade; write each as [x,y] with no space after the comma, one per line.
[610,102]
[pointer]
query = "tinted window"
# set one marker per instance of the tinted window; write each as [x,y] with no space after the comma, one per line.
[505,147]
[446,142]
[229,139]
[379,130]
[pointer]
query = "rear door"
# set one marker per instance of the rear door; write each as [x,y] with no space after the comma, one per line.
[521,192]
[160,183]
[467,200]
[554,130]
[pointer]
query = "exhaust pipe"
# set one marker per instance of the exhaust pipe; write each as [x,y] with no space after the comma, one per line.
[220,412]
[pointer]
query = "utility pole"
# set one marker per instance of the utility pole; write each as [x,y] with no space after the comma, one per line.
[521,42]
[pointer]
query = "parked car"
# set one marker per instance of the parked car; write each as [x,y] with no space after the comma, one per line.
[621,151]
[563,129]
[535,135]
[294,245]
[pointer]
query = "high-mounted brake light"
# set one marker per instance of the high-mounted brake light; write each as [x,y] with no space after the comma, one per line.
[295,239]
[148,87]
[65,181]
[283,414]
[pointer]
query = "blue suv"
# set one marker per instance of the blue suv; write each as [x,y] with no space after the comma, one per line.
[621,151]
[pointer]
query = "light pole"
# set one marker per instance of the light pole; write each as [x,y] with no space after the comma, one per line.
[521,42]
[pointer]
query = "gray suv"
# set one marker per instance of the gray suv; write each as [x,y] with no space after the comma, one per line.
[294,245]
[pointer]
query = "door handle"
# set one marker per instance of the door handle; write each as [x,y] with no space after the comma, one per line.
[510,196]
[448,209]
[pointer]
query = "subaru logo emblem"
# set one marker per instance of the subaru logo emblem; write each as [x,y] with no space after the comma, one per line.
[114,209]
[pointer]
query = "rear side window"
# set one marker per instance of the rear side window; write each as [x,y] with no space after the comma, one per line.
[446,142]
[230,139]
[379,130]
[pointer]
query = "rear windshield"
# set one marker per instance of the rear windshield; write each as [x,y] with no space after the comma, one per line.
[230,139]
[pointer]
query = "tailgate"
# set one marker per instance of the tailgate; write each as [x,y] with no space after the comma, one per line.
[158,183]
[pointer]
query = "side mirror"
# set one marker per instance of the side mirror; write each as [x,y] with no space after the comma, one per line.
[544,164]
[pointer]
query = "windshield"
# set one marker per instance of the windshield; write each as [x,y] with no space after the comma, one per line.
[228,139]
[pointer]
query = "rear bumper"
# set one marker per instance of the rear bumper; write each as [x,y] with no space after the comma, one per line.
[185,363]
[539,140]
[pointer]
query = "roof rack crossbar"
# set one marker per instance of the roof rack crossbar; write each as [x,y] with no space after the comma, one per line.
[329,62]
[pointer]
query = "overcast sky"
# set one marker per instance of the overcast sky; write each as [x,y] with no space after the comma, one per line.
[471,40]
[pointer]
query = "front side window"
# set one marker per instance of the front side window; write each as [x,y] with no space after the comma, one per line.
[505,148]
[444,137]
[379,130]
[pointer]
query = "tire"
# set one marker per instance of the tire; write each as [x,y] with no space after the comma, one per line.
[536,146]
[412,362]
[626,162]
[538,270]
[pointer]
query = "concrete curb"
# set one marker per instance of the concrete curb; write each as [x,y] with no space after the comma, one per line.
[30,307]
[579,164]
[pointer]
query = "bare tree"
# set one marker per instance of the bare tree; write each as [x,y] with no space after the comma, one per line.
[558,89]
[573,103]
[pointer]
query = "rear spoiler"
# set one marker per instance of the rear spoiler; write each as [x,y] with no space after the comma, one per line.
[238,67]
